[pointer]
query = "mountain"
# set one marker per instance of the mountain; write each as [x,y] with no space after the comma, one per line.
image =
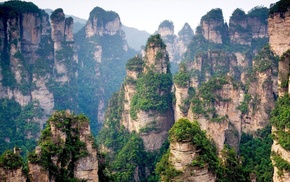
[176,45]
[225,84]
[44,68]
[103,52]
[223,116]
[135,37]
[278,26]
[78,22]
[138,119]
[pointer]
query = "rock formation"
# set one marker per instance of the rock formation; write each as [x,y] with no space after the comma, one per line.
[213,27]
[184,159]
[176,45]
[102,55]
[140,115]
[215,93]
[11,166]
[279,42]
[245,27]
[66,150]
[156,63]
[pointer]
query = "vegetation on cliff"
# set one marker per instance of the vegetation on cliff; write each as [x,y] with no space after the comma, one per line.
[213,15]
[279,7]
[17,124]
[227,169]
[182,78]
[59,155]
[256,152]
[15,8]
[152,93]
[280,118]
[184,130]
[10,160]
[103,59]
[103,16]
[204,101]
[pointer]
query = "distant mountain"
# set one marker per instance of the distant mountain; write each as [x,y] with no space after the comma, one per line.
[78,22]
[135,38]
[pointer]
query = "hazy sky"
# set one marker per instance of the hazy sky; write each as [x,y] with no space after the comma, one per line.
[148,14]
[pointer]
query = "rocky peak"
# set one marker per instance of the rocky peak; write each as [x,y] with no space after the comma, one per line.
[166,28]
[186,33]
[245,27]
[61,28]
[213,27]
[185,158]
[103,22]
[279,21]
[66,144]
[156,55]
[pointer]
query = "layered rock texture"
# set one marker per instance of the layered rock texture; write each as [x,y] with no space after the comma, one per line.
[176,45]
[214,86]
[141,113]
[279,42]
[159,116]
[38,67]
[103,52]
[41,71]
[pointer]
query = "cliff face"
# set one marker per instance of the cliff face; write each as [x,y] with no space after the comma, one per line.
[176,45]
[188,158]
[229,92]
[102,55]
[181,156]
[12,175]
[155,62]
[24,29]
[245,27]
[278,40]
[279,43]
[76,145]
[212,25]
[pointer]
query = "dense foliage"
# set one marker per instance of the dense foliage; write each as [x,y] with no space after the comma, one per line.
[184,130]
[103,16]
[153,92]
[238,15]
[203,102]
[10,160]
[165,169]
[280,118]
[17,124]
[155,40]
[231,168]
[66,153]
[129,148]
[265,60]
[256,154]
[279,7]
[280,163]
[259,12]
[15,8]
[182,78]
[213,15]
[135,64]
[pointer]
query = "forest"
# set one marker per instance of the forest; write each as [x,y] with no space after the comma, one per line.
[205,104]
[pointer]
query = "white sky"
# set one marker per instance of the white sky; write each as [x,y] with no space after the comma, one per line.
[148,14]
